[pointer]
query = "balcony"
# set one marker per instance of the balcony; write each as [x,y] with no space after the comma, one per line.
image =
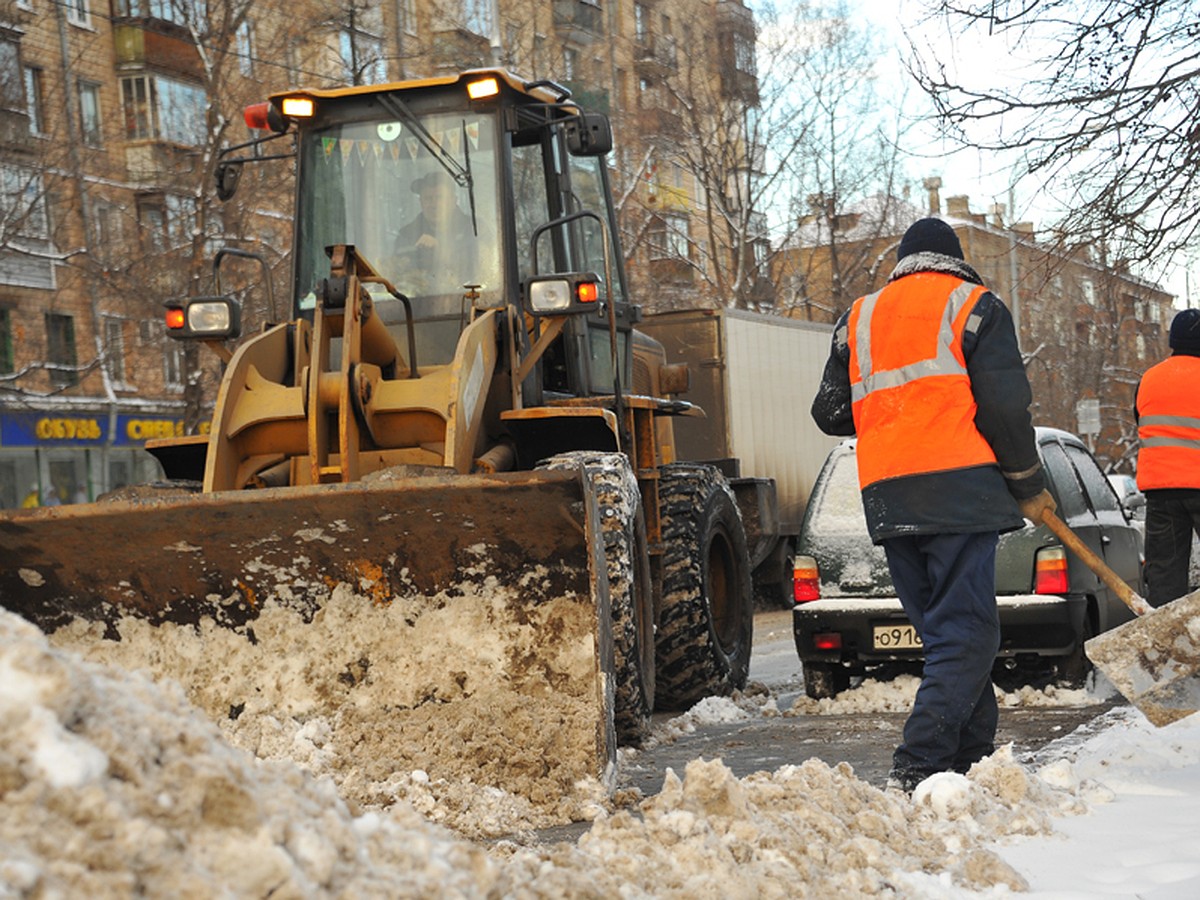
[736,36]
[164,47]
[578,21]
[14,131]
[154,162]
[656,121]
[656,55]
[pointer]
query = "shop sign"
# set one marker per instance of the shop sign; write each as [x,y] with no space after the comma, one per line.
[85,430]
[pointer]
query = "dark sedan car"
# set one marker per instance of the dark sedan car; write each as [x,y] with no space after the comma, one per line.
[848,622]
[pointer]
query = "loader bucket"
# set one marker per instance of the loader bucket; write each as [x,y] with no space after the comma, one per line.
[452,624]
[1154,660]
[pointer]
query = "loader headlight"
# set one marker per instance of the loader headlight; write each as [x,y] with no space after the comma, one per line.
[204,318]
[549,296]
[570,293]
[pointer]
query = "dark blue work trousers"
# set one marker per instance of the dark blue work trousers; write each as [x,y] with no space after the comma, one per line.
[1172,515]
[947,586]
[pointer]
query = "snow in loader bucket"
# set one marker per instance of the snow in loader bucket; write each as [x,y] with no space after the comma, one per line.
[452,625]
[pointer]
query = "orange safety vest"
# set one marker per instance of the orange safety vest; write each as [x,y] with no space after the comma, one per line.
[914,412]
[1168,405]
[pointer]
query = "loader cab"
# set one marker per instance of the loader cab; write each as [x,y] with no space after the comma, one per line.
[459,191]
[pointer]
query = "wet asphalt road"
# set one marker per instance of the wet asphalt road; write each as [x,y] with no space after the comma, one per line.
[864,740]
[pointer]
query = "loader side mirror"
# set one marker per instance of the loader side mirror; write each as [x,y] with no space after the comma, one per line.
[589,134]
[227,176]
[204,318]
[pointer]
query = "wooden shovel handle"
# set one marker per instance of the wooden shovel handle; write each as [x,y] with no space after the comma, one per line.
[1128,595]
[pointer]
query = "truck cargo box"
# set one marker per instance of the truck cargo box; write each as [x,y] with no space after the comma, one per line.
[755,377]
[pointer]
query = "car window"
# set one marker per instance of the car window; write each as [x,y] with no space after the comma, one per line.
[1066,484]
[839,508]
[1099,491]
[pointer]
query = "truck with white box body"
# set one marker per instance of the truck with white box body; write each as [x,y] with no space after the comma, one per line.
[755,377]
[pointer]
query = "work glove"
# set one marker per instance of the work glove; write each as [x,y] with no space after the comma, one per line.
[1033,508]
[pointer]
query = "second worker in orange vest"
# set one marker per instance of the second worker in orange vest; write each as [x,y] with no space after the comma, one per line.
[927,373]
[1167,407]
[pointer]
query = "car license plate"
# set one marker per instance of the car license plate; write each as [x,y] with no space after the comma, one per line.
[896,637]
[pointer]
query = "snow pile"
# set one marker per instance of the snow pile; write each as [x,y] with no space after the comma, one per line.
[113,785]
[361,694]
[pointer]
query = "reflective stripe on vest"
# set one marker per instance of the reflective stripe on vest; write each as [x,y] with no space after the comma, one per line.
[1169,425]
[914,412]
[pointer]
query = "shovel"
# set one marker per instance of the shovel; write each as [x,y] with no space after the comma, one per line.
[1152,660]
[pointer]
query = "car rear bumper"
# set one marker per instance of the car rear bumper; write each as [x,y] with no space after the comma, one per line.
[1041,625]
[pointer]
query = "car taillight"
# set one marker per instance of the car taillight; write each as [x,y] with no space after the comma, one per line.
[1050,571]
[806,580]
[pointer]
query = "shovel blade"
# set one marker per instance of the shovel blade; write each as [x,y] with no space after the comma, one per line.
[1154,660]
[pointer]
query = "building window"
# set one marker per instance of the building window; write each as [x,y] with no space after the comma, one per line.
[164,109]
[408,17]
[35,104]
[60,341]
[89,112]
[152,220]
[173,364]
[362,58]
[114,348]
[245,47]
[641,22]
[570,63]
[106,225]
[477,16]
[176,11]
[23,202]
[6,342]
[78,13]
[743,54]
[12,97]
[169,221]
[1088,289]
[668,238]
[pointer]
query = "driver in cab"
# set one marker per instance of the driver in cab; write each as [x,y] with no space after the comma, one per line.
[440,229]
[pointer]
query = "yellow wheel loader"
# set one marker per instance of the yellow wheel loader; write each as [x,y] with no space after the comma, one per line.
[454,462]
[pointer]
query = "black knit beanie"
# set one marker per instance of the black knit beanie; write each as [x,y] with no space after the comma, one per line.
[1185,332]
[931,236]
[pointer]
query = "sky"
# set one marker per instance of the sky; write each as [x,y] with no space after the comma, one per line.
[985,177]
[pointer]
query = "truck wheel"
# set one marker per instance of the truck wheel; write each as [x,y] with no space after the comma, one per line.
[824,680]
[627,556]
[706,623]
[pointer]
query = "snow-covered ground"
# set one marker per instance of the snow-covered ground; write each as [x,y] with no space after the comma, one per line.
[113,785]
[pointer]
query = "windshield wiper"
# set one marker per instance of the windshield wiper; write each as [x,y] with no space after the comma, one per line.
[461,174]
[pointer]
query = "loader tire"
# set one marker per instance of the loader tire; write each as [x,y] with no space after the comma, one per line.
[706,622]
[631,599]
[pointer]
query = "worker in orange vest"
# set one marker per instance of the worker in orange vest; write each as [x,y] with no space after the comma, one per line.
[1167,408]
[927,373]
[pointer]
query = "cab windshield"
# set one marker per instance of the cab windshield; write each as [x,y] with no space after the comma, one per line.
[402,194]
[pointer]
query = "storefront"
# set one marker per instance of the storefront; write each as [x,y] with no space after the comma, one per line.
[75,455]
